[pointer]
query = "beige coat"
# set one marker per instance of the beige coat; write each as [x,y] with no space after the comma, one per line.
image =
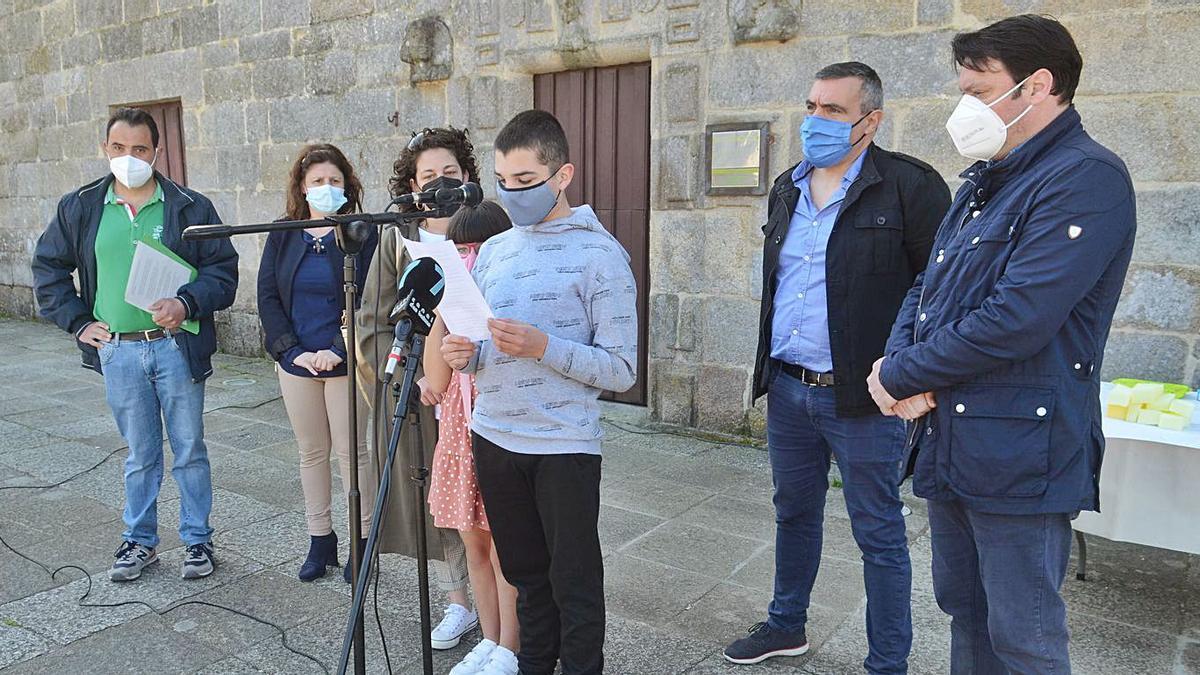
[374,341]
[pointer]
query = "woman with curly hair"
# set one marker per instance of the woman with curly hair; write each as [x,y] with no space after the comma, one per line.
[434,158]
[300,304]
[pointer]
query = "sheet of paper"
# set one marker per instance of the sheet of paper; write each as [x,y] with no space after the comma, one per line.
[462,307]
[154,276]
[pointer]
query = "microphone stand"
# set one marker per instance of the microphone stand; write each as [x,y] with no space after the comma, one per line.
[352,231]
[405,392]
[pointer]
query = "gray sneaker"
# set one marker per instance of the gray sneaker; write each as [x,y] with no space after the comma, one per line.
[199,561]
[131,558]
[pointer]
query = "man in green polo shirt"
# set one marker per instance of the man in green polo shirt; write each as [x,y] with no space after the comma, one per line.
[154,359]
[122,225]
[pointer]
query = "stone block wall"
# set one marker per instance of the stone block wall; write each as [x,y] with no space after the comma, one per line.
[259,78]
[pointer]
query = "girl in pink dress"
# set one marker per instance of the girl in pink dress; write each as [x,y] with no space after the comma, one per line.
[454,498]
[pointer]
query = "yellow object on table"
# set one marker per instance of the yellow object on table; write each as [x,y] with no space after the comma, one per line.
[1145,393]
[1150,403]
[1187,409]
[1172,421]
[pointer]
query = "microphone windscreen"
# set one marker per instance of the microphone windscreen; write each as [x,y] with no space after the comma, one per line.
[423,283]
[473,194]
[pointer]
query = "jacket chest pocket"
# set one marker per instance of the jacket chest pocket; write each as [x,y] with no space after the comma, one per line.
[999,442]
[984,253]
[879,240]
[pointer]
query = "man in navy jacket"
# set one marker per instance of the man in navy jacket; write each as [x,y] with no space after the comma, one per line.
[154,362]
[996,352]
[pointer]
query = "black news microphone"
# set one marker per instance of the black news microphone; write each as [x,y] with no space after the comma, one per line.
[467,194]
[421,287]
[417,198]
[401,335]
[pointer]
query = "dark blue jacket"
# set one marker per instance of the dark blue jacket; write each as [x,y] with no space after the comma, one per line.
[69,244]
[1007,325]
[880,242]
[277,272]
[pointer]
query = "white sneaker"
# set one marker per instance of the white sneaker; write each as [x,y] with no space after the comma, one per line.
[457,622]
[475,660]
[501,662]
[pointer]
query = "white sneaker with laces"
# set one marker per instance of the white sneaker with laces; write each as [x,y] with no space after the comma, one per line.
[458,621]
[475,660]
[501,662]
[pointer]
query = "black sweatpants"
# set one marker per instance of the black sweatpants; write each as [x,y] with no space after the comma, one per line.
[544,512]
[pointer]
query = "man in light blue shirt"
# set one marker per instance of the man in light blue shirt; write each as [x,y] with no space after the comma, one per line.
[848,229]
[800,330]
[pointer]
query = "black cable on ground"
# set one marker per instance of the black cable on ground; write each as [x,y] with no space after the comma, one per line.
[123,447]
[54,573]
[683,434]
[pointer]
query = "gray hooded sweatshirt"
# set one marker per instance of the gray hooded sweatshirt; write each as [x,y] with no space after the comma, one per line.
[571,279]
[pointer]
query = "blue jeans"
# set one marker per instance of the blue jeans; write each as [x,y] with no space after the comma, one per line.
[145,383]
[803,431]
[999,577]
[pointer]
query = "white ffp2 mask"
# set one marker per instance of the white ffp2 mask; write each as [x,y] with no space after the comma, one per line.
[131,171]
[976,129]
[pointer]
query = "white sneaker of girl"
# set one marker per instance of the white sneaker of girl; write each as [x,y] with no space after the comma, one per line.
[501,662]
[475,660]
[457,622]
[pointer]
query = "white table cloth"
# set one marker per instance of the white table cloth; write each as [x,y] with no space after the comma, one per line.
[1149,486]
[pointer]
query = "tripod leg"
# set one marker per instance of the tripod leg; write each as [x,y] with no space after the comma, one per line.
[419,475]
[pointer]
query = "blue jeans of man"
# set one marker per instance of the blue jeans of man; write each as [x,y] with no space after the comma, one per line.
[998,577]
[147,382]
[803,431]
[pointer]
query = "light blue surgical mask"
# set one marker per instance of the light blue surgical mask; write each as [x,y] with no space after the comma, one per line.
[528,205]
[325,198]
[827,142]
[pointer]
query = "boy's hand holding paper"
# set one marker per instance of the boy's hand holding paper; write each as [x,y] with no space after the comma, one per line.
[518,339]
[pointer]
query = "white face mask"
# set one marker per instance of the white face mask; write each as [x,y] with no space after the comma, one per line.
[131,171]
[976,129]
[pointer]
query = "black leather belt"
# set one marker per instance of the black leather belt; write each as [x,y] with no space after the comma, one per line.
[809,377]
[145,335]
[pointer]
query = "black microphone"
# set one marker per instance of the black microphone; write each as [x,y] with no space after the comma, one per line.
[420,287]
[467,194]
[417,198]
[401,335]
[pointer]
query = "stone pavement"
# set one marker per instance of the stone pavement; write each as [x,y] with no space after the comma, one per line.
[686,526]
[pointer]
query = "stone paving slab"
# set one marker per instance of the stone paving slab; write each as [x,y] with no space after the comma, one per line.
[59,510]
[695,549]
[686,530]
[21,437]
[734,516]
[620,527]
[146,640]
[55,461]
[654,496]
[18,644]
[271,541]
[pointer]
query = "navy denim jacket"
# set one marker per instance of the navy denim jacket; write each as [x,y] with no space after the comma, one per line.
[1007,325]
[281,258]
[69,245]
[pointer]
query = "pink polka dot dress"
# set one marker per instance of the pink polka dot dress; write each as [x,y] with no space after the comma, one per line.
[454,499]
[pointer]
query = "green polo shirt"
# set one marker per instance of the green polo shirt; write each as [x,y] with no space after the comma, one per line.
[121,227]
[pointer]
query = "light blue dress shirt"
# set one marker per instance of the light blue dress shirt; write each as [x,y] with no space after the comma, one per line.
[800,326]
